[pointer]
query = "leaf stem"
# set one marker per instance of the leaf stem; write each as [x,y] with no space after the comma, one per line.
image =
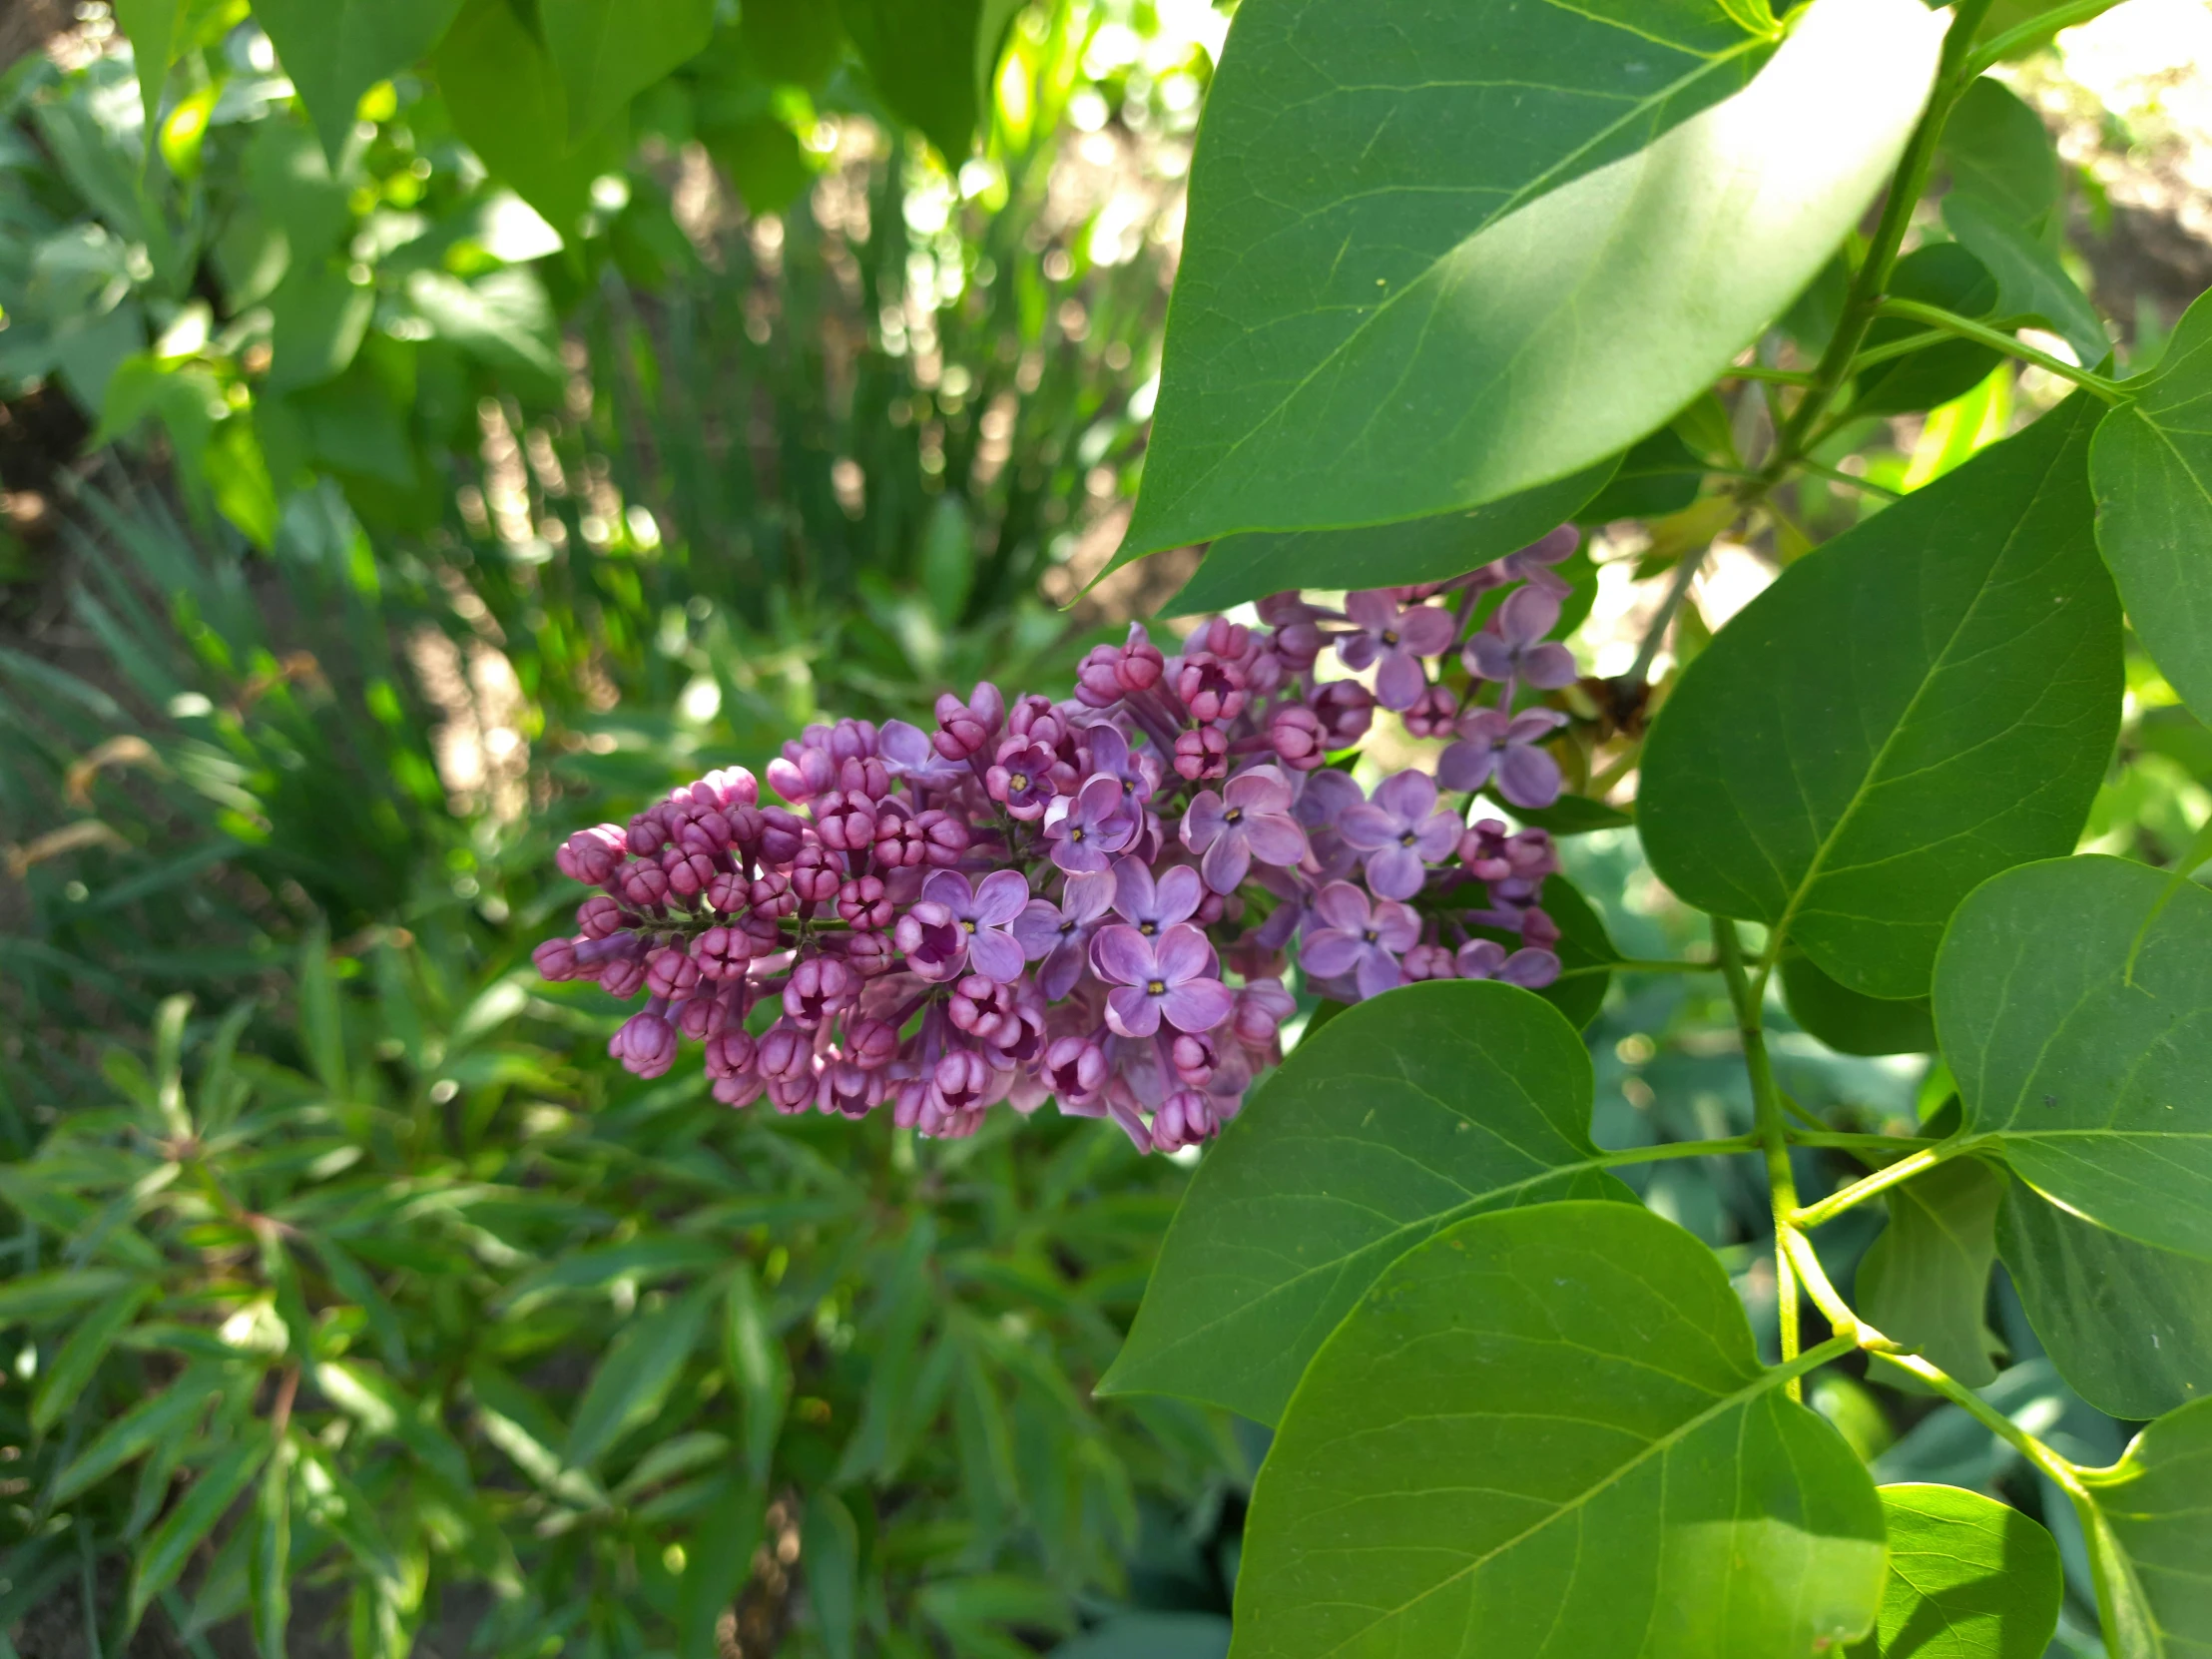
[1998,340]
[2000,47]
[1873,277]
[1836,475]
[1760,371]
[1881,1180]
[1640,965]
[2065,1474]
[1773,1131]
[1895,349]
[1861,1142]
[1681,1149]
[1685,573]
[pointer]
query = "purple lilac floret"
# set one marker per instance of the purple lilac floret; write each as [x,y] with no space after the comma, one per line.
[1095,901]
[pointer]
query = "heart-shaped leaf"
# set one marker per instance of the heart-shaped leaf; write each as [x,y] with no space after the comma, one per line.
[335,50]
[2150,1535]
[1436,257]
[1970,1578]
[2074,1001]
[1399,1117]
[1851,1024]
[2151,466]
[1546,1433]
[2129,1327]
[1927,699]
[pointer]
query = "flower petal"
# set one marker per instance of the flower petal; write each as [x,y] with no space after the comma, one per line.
[1368,826]
[1122,955]
[1436,834]
[1528,777]
[1401,680]
[1549,666]
[1183,953]
[1407,796]
[1204,822]
[1487,656]
[1260,789]
[1000,896]
[1133,889]
[1467,766]
[1340,904]
[1197,1004]
[1372,609]
[1397,926]
[1038,927]
[1377,974]
[1425,630]
[1179,896]
[1325,955]
[1130,1012]
[951,890]
[993,953]
[1088,895]
[1060,970]
[1533,970]
[1275,839]
[1326,797]
[1527,615]
[1396,871]
[1480,960]
[1225,862]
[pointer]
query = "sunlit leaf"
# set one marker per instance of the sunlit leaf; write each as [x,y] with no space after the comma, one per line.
[1970,1578]
[335,50]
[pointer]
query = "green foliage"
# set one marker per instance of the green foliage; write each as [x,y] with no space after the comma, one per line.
[1961,727]
[1400,1117]
[1668,1459]
[1968,1579]
[2147,1532]
[1926,1280]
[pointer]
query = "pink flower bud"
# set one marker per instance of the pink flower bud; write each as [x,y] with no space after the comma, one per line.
[645,1044]
[600,917]
[668,972]
[1201,753]
[782,835]
[556,959]
[1345,709]
[1297,737]
[871,1042]
[785,1052]
[861,903]
[771,895]
[1432,712]
[591,855]
[622,977]
[729,1052]
[815,875]
[820,987]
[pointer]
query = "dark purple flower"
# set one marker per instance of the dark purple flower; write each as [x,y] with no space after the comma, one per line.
[1487,959]
[1402,832]
[1493,745]
[1250,819]
[1076,1069]
[1111,757]
[1186,1118]
[1512,646]
[646,1043]
[1088,827]
[966,729]
[982,918]
[1025,778]
[1171,978]
[1059,935]
[1357,937]
[1396,641]
[1345,709]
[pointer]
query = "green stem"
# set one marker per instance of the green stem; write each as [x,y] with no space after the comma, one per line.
[1677,589]
[1638,965]
[1998,340]
[1760,371]
[1860,1142]
[1897,348]
[1828,1208]
[1773,1130]
[1681,1149]
[1873,277]
[1836,475]
[2000,47]
[1814,1358]
[1997,1423]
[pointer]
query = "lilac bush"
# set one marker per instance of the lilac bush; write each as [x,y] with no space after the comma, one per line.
[1094,901]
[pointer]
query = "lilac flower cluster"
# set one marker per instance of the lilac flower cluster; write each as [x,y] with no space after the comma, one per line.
[1094,900]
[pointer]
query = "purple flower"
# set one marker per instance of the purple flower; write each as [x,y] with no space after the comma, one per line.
[1250,819]
[1139,775]
[1088,827]
[1395,639]
[1494,746]
[1169,978]
[1533,563]
[1486,959]
[908,753]
[1024,778]
[1153,907]
[645,1044]
[1327,797]
[1059,935]
[1401,831]
[1512,647]
[1358,938]
[956,923]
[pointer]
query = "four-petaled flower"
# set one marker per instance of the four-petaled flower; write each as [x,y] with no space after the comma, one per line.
[1250,819]
[965,924]
[1170,978]
[1512,646]
[1359,938]
[1396,641]
[1495,744]
[1059,935]
[1401,831]
[1150,906]
[1088,827]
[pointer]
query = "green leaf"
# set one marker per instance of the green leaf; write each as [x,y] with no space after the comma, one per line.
[2151,466]
[2030,280]
[317,318]
[1970,1578]
[1427,244]
[1658,476]
[71,1369]
[759,1367]
[2150,1535]
[162,1559]
[830,1545]
[1550,1426]
[152,27]
[2000,157]
[1151,1636]
[1574,814]
[1925,701]
[1937,273]
[636,1375]
[1397,1118]
[1381,556]
[718,1557]
[1926,1280]
[930,60]
[170,1414]
[503,319]
[2074,1001]
[508,105]
[608,51]
[40,1296]
[335,50]
[269,1572]
[1851,1024]
[2129,1327]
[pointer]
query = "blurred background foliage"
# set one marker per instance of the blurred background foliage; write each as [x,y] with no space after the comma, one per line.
[456,435]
